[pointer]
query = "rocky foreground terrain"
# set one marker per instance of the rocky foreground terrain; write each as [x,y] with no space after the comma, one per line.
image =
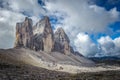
[14,69]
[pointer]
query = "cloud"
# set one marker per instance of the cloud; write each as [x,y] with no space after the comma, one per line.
[80,16]
[85,45]
[29,7]
[109,46]
[8,21]
[106,46]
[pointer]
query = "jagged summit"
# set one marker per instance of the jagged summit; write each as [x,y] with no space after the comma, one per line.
[62,42]
[41,25]
[41,36]
[24,33]
[62,35]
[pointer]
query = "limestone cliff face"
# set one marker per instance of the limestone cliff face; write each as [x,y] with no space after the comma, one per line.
[24,33]
[43,35]
[62,42]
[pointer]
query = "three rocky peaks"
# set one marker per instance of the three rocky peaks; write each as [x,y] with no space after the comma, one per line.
[41,37]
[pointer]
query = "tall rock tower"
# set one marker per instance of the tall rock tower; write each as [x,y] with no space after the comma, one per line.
[43,35]
[61,42]
[24,33]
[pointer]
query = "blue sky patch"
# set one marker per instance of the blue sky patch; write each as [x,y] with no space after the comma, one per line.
[41,2]
[94,37]
[108,4]
[115,26]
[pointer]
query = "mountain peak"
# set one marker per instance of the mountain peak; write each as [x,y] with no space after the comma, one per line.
[41,37]
[40,26]
[26,18]
[45,19]
[62,42]
[24,33]
[60,30]
[62,35]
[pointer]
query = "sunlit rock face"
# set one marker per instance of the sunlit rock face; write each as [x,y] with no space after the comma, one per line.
[43,35]
[24,33]
[61,41]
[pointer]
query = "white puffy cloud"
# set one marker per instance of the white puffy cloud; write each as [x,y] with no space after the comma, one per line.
[114,13]
[109,46]
[85,45]
[106,46]
[81,16]
[117,42]
[30,7]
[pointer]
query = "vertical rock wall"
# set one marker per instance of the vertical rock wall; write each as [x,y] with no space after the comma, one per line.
[43,34]
[41,37]
[61,41]
[24,33]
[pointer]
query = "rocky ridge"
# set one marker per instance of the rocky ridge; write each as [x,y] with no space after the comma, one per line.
[41,37]
[62,42]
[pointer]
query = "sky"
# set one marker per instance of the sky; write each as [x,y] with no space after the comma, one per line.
[93,26]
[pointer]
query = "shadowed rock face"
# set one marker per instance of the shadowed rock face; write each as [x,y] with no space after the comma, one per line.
[78,54]
[61,42]
[24,33]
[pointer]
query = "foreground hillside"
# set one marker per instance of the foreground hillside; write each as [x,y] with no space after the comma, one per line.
[16,64]
[10,71]
[52,61]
